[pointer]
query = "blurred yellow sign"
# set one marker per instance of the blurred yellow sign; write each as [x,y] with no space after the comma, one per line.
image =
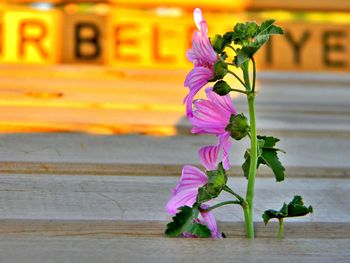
[151,40]
[308,47]
[159,38]
[30,37]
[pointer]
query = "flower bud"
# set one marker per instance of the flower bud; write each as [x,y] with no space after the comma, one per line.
[217,42]
[220,69]
[238,126]
[221,88]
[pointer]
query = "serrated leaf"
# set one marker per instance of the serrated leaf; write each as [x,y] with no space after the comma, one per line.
[269,141]
[293,209]
[199,230]
[266,25]
[251,37]
[269,214]
[267,155]
[270,158]
[240,58]
[227,38]
[182,221]
[296,207]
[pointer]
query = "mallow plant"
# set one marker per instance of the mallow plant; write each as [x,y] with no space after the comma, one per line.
[193,199]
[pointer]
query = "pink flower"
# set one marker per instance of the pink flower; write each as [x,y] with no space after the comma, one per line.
[203,56]
[212,116]
[185,193]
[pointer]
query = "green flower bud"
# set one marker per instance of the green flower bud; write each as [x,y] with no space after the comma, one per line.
[220,69]
[221,88]
[238,126]
[217,42]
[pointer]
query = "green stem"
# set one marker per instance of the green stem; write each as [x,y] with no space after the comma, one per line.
[245,69]
[248,211]
[281,228]
[236,76]
[254,74]
[241,91]
[229,190]
[235,202]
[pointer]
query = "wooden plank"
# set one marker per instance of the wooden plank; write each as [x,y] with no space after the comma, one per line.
[130,198]
[149,155]
[153,169]
[130,249]
[144,228]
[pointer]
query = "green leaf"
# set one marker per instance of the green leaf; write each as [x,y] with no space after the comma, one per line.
[227,38]
[267,155]
[268,214]
[297,208]
[269,141]
[251,37]
[240,58]
[221,88]
[181,221]
[267,27]
[293,209]
[199,230]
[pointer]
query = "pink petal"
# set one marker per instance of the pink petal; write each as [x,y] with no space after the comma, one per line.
[210,221]
[191,177]
[185,197]
[198,17]
[224,103]
[195,80]
[212,116]
[208,156]
[202,52]
[225,145]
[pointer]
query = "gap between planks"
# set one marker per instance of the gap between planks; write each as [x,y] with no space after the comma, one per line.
[111,228]
[153,169]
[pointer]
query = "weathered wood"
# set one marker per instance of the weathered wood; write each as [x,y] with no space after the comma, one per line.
[143,228]
[138,249]
[158,169]
[131,198]
[149,155]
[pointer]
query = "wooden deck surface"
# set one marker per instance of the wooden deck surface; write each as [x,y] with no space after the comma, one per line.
[82,216]
[77,197]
